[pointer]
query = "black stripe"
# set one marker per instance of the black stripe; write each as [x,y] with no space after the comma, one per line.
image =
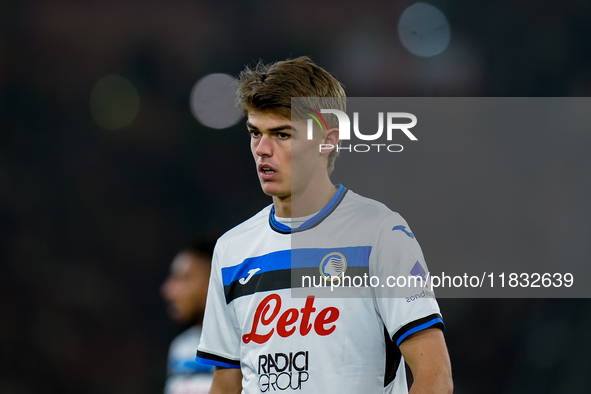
[393,356]
[417,323]
[274,227]
[271,280]
[215,357]
[282,279]
[409,376]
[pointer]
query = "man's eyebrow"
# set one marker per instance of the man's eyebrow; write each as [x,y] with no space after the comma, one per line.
[274,129]
[283,127]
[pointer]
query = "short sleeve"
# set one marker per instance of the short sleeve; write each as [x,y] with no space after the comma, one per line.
[220,339]
[404,300]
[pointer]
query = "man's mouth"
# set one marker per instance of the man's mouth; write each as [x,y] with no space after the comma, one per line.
[266,171]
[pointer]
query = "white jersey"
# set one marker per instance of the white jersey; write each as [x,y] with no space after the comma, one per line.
[313,344]
[185,374]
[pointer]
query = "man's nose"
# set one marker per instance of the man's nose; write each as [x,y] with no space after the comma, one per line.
[264,147]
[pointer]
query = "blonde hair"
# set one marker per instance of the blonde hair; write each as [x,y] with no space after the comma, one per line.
[270,88]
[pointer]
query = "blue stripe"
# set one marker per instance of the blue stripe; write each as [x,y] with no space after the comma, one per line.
[276,225]
[218,363]
[185,366]
[269,262]
[418,328]
[313,221]
[357,256]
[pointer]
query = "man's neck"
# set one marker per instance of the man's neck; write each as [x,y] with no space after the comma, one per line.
[310,200]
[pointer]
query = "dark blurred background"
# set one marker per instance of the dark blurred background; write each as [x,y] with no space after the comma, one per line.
[105,172]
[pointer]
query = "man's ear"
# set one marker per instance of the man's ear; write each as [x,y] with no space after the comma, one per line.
[331,141]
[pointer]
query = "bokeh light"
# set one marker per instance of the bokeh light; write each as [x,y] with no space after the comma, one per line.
[424,30]
[114,102]
[213,101]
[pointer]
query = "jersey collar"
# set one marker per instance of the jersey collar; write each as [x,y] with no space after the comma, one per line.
[314,220]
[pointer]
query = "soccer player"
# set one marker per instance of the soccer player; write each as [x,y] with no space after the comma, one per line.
[185,290]
[263,339]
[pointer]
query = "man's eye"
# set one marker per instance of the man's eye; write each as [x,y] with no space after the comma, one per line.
[283,136]
[254,133]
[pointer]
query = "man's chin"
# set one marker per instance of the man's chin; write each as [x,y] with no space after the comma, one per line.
[274,190]
[279,195]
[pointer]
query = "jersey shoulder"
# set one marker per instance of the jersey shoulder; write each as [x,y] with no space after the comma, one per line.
[371,211]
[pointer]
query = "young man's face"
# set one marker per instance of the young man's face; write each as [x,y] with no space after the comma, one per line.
[286,160]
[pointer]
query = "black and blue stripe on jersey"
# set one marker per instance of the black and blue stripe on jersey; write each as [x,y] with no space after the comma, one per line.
[275,271]
[214,359]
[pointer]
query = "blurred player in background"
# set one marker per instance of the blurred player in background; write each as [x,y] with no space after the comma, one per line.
[185,290]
